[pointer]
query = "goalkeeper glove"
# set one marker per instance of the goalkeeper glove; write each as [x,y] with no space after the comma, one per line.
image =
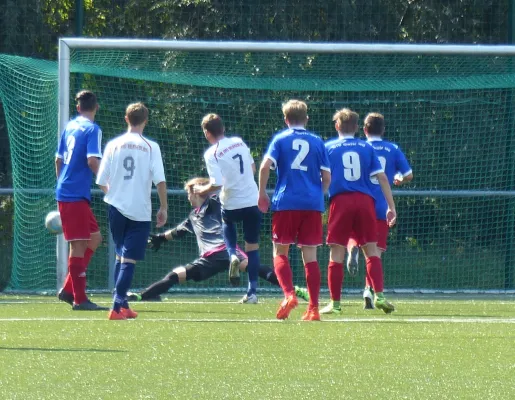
[155,241]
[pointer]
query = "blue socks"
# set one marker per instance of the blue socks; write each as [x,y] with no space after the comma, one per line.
[117,266]
[123,283]
[253,271]
[230,237]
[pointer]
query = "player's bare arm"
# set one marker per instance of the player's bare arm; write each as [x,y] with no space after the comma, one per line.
[94,164]
[402,180]
[264,175]
[162,214]
[58,166]
[204,190]
[326,180]
[391,214]
[104,188]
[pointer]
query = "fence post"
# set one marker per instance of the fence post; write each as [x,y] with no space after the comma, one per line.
[510,150]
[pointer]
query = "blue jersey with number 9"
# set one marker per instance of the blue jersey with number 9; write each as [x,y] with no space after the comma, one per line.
[298,156]
[353,162]
[81,139]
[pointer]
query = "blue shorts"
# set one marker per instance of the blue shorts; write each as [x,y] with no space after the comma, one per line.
[251,218]
[130,237]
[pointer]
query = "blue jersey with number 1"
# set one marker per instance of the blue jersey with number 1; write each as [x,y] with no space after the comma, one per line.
[80,140]
[393,161]
[298,157]
[353,162]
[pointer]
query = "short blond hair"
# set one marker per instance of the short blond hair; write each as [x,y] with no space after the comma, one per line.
[374,124]
[213,124]
[346,119]
[136,113]
[200,181]
[295,111]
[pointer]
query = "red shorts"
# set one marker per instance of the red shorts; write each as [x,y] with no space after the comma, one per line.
[78,220]
[352,215]
[382,233]
[301,226]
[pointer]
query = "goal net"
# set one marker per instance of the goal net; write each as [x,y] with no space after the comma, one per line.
[450,108]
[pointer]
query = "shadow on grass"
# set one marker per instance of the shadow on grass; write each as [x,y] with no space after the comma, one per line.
[59,350]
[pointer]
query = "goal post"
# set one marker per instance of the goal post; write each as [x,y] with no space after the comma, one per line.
[455,223]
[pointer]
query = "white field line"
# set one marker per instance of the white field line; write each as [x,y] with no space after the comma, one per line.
[278,300]
[440,320]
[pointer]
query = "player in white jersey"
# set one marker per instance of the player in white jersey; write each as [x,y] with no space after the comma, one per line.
[131,163]
[231,167]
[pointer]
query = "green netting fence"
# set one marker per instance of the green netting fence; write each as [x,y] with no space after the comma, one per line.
[452,116]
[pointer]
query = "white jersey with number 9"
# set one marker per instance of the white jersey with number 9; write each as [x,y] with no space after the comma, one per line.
[130,164]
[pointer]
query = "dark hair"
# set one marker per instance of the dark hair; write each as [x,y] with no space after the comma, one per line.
[213,124]
[86,100]
[136,113]
[374,124]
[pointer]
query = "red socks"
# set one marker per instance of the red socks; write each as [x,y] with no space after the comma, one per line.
[313,282]
[284,275]
[335,280]
[375,273]
[77,273]
[68,287]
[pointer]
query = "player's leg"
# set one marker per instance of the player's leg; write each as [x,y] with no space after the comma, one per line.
[310,234]
[135,238]
[198,270]
[251,217]
[93,243]
[382,235]
[375,272]
[353,256]
[335,274]
[339,230]
[75,218]
[176,276]
[366,232]
[284,228]
[229,219]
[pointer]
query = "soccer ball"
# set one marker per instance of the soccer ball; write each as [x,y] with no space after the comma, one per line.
[53,222]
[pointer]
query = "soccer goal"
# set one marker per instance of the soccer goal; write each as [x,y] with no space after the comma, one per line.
[449,107]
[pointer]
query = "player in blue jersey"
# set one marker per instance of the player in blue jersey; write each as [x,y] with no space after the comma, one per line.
[398,171]
[352,211]
[77,159]
[303,176]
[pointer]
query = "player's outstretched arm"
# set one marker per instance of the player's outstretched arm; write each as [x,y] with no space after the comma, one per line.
[391,214]
[204,190]
[264,175]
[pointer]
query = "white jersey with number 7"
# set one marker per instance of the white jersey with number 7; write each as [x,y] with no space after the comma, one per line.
[229,164]
[131,163]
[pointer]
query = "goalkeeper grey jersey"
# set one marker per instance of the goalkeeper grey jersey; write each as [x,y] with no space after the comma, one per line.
[206,223]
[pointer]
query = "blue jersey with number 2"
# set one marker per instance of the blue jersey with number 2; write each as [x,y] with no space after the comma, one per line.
[353,162]
[298,157]
[80,140]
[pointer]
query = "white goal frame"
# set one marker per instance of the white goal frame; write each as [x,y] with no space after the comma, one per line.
[66,44]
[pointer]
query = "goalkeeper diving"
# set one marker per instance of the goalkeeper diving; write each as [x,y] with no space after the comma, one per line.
[205,222]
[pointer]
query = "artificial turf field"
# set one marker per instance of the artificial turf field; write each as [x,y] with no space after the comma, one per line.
[191,347]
